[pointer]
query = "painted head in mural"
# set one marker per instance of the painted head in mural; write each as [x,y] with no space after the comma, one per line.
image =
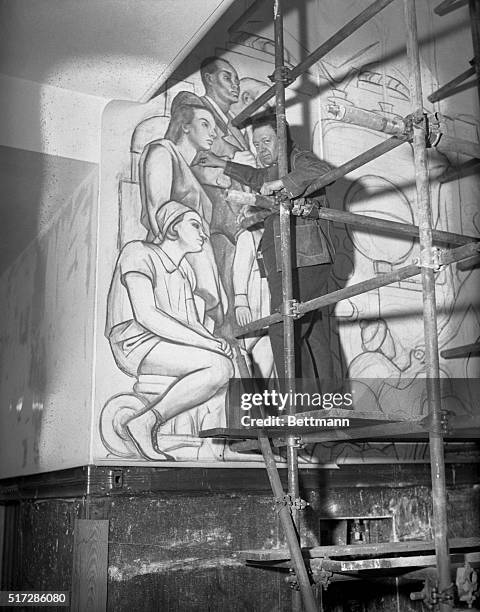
[221,82]
[191,121]
[179,223]
[265,139]
[250,90]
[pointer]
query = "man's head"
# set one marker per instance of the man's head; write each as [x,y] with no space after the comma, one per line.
[265,138]
[220,80]
[250,89]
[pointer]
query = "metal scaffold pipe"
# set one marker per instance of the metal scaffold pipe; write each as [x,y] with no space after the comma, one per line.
[474,9]
[287,295]
[437,458]
[347,30]
[464,252]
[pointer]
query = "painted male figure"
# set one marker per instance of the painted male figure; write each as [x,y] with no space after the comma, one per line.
[312,248]
[222,89]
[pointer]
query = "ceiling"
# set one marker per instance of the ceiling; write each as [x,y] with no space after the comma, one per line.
[106,48]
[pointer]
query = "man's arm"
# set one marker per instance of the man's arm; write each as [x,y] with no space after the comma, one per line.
[306,168]
[252,177]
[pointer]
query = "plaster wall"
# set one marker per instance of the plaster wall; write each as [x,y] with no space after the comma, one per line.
[376,335]
[58,372]
[46,352]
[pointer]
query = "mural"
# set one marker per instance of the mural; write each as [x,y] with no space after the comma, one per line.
[187,271]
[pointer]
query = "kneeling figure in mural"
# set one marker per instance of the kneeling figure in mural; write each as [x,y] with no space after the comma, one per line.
[154,327]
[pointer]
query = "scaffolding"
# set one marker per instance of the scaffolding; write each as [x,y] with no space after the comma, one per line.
[422,131]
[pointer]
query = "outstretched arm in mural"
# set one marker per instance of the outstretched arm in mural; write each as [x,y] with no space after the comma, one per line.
[243,261]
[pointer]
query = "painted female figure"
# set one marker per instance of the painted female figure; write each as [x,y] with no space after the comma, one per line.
[154,327]
[165,177]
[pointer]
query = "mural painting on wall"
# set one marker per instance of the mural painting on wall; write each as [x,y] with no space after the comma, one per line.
[188,271]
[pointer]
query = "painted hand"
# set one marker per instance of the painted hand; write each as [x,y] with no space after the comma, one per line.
[270,187]
[245,158]
[208,159]
[243,314]
[225,347]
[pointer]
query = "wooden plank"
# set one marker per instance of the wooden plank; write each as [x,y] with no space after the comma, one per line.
[452,86]
[359,565]
[363,550]
[469,264]
[461,351]
[447,6]
[466,169]
[2,538]
[90,565]
[356,419]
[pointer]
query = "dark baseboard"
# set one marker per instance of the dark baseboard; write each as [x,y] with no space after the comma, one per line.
[94,480]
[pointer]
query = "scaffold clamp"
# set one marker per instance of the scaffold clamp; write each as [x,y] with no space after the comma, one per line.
[445,596]
[290,309]
[303,207]
[297,442]
[290,502]
[430,258]
[323,577]
[283,74]
[434,129]
[444,421]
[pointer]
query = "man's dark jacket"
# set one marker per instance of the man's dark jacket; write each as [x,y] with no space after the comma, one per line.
[311,237]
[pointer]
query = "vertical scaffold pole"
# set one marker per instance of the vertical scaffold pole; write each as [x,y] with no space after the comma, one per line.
[287,295]
[288,331]
[437,459]
[474,8]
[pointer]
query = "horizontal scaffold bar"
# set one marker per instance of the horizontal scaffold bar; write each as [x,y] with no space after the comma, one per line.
[356,162]
[382,280]
[448,144]
[449,88]
[387,226]
[447,6]
[472,166]
[461,351]
[469,264]
[351,27]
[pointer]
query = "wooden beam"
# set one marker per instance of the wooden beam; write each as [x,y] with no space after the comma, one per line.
[358,565]
[472,166]
[385,226]
[450,88]
[330,44]
[447,6]
[469,264]
[90,566]
[465,350]
[360,550]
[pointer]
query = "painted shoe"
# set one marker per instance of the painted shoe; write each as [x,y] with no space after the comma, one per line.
[142,433]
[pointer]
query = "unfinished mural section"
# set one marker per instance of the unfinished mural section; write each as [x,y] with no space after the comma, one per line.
[171,237]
